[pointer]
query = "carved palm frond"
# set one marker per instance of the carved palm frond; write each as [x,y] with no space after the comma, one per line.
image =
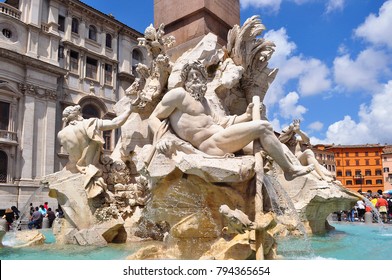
[248,49]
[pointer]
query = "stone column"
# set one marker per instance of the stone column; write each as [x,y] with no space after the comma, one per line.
[27,141]
[82,31]
[35,12]
[53,16]
[32,42]
[82,62]
[114,46]
[50,135]
[68,26]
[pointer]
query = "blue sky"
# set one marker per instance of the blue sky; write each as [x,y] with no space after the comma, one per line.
[334,59]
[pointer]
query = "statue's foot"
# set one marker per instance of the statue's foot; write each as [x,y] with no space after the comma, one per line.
[298,171]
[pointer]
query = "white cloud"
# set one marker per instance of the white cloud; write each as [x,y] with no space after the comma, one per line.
[273,5]
[374,124]
[276,124]
[342,49]
[347,131]
[284,48]
[377,116]
[289,107]
[363,73]
[300,2]
[375,28]
[311,74]
[315,78]
[316,126]
[334,5]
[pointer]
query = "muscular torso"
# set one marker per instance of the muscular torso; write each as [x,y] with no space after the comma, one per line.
[74,140]
[192,121]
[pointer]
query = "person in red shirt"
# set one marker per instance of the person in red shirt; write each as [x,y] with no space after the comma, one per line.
[46,206]
[382,206]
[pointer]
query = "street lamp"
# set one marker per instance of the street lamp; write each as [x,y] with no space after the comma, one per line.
[359,176]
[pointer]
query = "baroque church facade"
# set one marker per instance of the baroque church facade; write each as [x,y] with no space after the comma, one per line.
[55,53]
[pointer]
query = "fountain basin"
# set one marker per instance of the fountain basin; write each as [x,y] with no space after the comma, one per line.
[349,241]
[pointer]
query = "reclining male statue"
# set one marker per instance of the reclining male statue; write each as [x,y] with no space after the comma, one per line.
[193,120]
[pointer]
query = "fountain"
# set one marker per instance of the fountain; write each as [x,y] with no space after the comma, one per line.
[171,190]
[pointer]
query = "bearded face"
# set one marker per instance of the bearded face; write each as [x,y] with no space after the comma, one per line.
[196,85]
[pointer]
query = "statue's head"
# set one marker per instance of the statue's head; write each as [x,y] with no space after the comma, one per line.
[194,77]
[150,33]
[71,113]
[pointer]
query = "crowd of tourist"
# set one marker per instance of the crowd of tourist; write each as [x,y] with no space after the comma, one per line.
[37,215]
[379,204]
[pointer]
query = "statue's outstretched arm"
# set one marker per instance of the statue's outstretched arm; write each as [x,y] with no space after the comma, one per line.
[117,121]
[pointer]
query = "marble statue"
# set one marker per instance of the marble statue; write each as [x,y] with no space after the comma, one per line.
[300,148]
[82,140]
[195,143]
[192,119]
[144,93]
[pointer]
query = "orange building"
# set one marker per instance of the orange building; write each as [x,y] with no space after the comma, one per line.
[359,167]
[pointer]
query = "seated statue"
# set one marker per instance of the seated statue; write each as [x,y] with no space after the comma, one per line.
[192,120]
[299,147]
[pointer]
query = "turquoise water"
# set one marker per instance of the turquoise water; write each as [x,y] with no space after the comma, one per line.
[350,241]
[52,251]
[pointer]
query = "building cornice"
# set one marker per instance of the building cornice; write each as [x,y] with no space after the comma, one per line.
[104,19]
[378,146]
[26,60]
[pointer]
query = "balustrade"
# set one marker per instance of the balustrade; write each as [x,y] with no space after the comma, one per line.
[9,10]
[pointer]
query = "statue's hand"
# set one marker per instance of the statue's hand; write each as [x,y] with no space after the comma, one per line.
[164,145]
[82,169]
[296,125]
[249,110]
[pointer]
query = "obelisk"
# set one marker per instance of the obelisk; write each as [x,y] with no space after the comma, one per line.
[189,21]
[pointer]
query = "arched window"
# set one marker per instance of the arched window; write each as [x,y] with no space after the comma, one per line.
[109,41]
[90,111]
[137,57]
[75,25]
[92,32]
[3,167]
